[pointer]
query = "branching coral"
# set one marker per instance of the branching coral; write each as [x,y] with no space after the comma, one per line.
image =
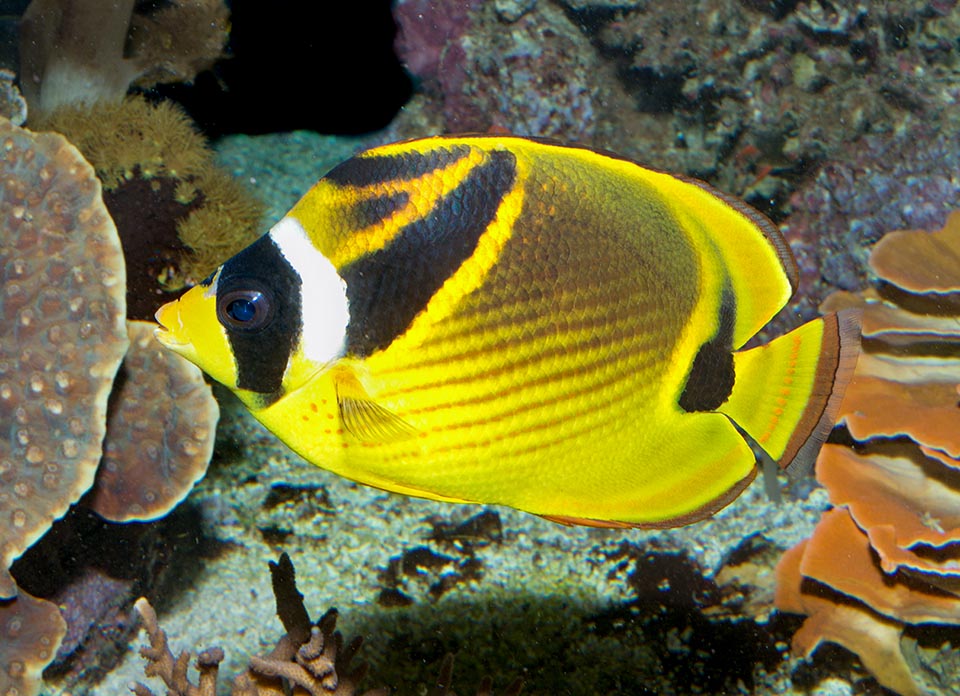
[896,490]
[84,51]
[310,658]
[173,671]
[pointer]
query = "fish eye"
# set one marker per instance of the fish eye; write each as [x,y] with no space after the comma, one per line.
[246,310]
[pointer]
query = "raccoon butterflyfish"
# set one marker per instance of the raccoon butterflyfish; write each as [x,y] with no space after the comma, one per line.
[499,320]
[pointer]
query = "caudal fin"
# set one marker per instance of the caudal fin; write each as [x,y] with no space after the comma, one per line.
[787,392]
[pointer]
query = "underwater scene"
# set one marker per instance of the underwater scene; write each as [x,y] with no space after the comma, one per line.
[494,347]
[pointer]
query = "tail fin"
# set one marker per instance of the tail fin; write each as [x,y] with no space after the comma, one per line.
[787,392]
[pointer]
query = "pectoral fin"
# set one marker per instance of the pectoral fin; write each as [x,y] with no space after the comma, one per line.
[363,417]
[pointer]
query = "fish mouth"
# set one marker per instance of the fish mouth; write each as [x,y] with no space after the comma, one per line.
[170,330]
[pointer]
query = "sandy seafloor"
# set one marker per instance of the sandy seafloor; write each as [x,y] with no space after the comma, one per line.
[551,603]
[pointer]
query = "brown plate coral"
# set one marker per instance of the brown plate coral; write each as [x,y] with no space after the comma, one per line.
[886,558]
[62,286]
[30,632]
[160,433]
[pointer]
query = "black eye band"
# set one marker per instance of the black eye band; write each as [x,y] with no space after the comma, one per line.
[258,305]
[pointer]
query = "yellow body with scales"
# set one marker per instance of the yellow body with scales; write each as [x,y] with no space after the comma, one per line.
[501,320]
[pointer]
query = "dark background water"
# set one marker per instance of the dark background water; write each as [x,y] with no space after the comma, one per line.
[323,66]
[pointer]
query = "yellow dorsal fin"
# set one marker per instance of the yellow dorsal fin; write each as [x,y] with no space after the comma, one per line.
[363,417]
[788,392]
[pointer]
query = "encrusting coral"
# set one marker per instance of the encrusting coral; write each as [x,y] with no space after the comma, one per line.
[153,456]
[30,633]
[310,658]
[85,51]
[895,485]
[62,300]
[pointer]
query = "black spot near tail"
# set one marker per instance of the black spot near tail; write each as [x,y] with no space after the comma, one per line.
[711,377]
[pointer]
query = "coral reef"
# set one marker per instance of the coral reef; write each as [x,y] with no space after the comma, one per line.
[534,75]
[733,91]
[153,456]
[63,299]
[85,51]
[832,117]
[310,658]
[30,632]
[895,483]
[177,213]
[882,182]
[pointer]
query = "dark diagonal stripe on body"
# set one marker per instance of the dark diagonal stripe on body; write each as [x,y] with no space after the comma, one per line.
[372,170]
[390,286]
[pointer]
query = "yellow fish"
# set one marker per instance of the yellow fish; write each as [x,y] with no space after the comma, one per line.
[495,319]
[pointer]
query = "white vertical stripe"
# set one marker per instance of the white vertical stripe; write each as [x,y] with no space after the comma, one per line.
[325,310]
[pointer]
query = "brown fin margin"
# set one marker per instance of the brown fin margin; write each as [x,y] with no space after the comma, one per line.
[770,231]
[701,513]
[838,358]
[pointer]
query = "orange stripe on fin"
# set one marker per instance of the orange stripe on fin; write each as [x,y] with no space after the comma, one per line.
[838,358]
[788,392]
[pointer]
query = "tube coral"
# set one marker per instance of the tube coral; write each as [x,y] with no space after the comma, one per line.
[896,486]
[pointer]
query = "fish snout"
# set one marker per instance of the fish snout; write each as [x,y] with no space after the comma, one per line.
[171,331]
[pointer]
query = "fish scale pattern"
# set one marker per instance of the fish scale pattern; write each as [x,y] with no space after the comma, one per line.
[536,325]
